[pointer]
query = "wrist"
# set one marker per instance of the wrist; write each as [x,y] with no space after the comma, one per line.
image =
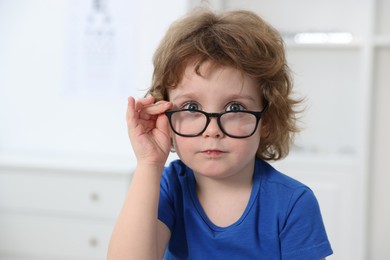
[155,169]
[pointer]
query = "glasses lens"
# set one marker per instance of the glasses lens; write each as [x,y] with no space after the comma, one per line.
[239,124]
[188,122]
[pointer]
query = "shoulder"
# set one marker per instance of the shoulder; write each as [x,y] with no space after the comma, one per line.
[175,169]
[283,193]
[272,176]
[293,209]
[174,174]
[273,182]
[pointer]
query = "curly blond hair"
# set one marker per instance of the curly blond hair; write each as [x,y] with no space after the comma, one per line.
[243,40]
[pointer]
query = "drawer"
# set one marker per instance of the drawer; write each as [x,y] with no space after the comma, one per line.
[61,193]
[36,237]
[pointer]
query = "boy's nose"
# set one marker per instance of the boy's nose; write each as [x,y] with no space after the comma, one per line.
[213,129]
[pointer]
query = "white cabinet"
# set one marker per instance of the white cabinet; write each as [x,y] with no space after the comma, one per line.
[53,213]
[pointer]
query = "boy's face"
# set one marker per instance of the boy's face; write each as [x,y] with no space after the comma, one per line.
[219,89]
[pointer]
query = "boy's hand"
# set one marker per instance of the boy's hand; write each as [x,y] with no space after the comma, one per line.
[149,130]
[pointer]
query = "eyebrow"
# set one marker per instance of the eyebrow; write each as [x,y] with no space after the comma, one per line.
[184,96]
[230,97]
[249,97]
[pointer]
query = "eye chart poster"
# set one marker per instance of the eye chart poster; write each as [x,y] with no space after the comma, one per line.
[99,47]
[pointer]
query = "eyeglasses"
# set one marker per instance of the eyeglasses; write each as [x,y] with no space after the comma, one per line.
[236,124]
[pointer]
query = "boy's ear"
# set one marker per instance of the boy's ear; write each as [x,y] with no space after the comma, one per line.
[264,131]
[173,150]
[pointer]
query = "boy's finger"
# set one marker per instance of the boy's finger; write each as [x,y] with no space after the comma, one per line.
[157,108]
[141,103]
[134,107]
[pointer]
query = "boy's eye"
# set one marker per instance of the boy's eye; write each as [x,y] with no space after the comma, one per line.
[235,107]
[191,106]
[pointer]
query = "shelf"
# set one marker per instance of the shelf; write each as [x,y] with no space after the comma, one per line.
[294,45]
[321,40]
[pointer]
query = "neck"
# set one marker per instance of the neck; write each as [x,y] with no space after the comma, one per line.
[234,182]
[224,200]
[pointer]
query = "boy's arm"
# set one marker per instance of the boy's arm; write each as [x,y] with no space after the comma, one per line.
[163,234]
[138,234]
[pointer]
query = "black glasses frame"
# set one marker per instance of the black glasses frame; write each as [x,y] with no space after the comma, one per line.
[257,114]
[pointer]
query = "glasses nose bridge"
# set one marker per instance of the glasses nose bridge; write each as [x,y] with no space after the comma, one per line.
[217,116]
[213,115]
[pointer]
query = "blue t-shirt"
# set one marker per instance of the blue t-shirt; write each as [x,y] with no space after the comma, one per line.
[281,221]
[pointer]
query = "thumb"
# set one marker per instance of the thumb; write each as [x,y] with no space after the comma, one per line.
[163,124]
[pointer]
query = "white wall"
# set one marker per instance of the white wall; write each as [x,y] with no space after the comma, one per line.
[40,115]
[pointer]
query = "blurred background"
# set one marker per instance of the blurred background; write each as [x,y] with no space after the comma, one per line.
[67,67]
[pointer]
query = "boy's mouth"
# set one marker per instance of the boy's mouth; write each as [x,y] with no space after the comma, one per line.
[213,152]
